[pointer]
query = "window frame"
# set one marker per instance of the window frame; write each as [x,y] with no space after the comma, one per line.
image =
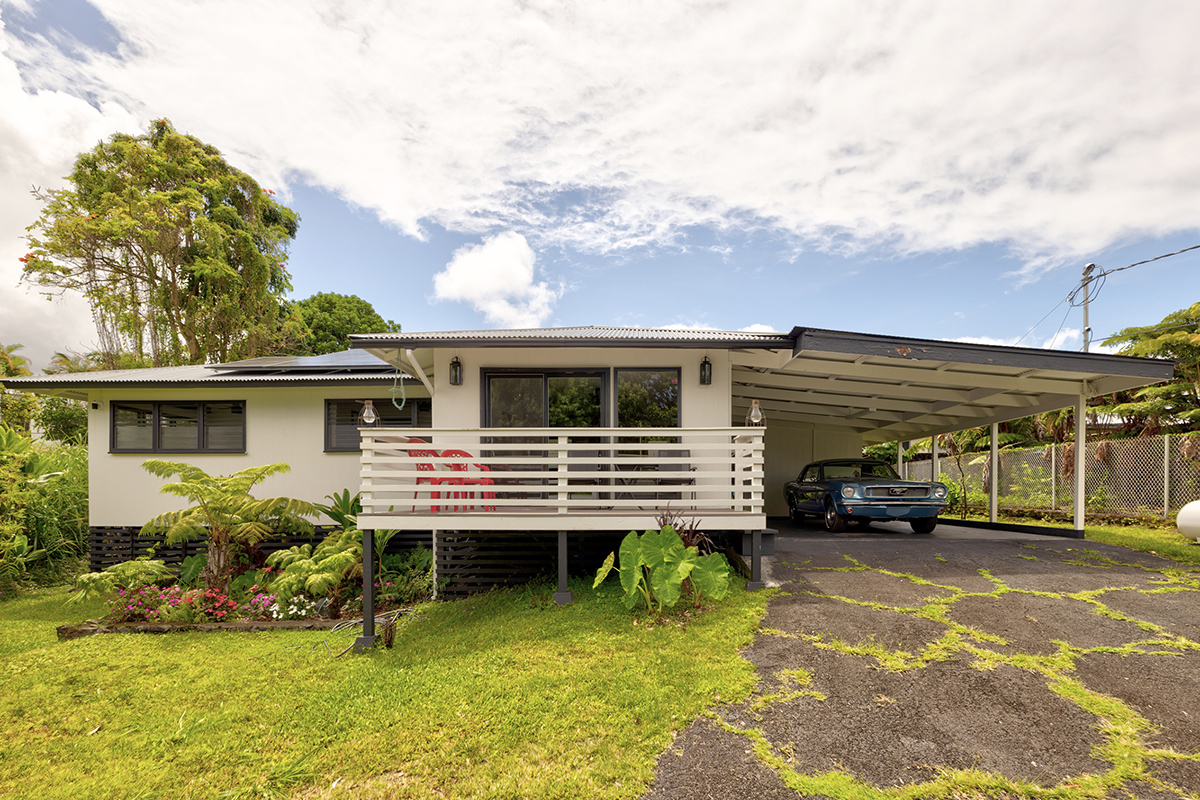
[616,392]
[155,422]
[544,374]
[412,402]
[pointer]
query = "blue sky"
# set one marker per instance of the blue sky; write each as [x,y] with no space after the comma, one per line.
[927,169]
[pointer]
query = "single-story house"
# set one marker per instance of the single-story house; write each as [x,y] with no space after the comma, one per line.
[603,427]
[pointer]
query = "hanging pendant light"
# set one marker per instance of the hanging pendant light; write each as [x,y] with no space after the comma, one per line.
[755,417]
[456,372]
[706,372]
[368,416]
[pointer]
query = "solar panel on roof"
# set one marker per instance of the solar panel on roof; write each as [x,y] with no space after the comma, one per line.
[345,359]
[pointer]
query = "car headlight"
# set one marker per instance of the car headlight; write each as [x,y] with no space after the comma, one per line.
[939,492]
[847,491]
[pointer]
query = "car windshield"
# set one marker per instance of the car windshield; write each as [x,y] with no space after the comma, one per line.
[859,469]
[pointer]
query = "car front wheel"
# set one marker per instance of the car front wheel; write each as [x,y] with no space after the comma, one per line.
[923,524]
[834,522]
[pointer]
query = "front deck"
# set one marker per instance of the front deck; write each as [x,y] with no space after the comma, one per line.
[560,479]
[496,481]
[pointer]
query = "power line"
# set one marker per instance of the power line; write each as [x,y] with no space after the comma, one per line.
[1156,258]
[1100,278]
[1040,321]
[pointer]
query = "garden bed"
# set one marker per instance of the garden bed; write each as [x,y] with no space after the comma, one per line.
[94,626]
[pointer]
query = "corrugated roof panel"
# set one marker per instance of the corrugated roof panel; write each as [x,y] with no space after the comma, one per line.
[596,335]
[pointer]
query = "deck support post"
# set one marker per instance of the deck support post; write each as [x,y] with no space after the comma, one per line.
[756,582]
[367,640]
[563,596]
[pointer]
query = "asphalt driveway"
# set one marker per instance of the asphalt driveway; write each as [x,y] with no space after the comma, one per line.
[994,663]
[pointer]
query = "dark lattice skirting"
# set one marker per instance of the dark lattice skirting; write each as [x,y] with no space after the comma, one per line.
[474,561]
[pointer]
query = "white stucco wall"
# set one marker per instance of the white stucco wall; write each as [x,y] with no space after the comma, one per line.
[282,424]
[792,445]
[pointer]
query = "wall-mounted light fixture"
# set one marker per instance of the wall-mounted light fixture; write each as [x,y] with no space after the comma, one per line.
[706,372]
[755,416]
[455,372]
[368,416]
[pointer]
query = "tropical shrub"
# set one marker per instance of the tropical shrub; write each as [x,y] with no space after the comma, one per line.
[224,512]
[654,566]
[319,571]
[43,507]
[63,419]
[128,576]
[406,577]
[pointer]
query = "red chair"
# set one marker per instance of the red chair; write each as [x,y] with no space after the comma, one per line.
[426,466]
[460,467]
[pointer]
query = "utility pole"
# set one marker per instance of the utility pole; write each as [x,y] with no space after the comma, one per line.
[1087,329]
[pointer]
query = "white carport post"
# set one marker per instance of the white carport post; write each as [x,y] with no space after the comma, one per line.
[935,465]
[994,475]
[1080,458]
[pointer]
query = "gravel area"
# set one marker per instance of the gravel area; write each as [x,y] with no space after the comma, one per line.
[892,660]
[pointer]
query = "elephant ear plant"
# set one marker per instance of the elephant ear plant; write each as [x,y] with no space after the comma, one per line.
[655,566]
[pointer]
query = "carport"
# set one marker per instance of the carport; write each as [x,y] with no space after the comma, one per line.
[840,387]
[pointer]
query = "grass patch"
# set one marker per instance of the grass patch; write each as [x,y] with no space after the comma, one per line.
[498,695]
[1157,541]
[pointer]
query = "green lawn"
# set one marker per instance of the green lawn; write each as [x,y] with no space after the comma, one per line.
[1160,540]
[502,695]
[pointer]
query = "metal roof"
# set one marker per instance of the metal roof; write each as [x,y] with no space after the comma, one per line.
[581,336]
[887,388]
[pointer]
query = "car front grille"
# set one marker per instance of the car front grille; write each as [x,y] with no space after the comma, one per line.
[896,492]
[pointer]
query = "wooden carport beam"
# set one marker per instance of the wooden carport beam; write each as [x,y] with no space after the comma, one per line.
[833,385]
[957,379]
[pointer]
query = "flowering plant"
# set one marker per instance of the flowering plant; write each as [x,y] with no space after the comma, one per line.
[299,607]
[144,604]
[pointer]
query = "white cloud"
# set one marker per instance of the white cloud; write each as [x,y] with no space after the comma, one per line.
[40,135]
[1054,130]
[758,327]
[497,278]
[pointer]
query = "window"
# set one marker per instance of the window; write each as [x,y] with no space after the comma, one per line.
[544,399]
[647,398]
[341,420]
[179,427]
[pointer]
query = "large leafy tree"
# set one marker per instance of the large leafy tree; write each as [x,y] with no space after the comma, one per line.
[331,318]
[181,256]
[17,409]
[1169,405]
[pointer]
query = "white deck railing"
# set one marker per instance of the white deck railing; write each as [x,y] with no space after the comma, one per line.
[560,478]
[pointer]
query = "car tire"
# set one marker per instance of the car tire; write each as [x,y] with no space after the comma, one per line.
[794,514]
[923,524]
[834,522]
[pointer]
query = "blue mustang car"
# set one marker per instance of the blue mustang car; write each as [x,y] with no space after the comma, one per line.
[860,490]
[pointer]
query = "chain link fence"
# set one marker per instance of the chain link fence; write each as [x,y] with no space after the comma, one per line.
[1152,476]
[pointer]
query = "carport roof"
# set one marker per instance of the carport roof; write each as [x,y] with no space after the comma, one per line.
[884,387]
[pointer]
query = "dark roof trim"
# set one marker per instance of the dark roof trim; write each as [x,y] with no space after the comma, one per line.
[815,340]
